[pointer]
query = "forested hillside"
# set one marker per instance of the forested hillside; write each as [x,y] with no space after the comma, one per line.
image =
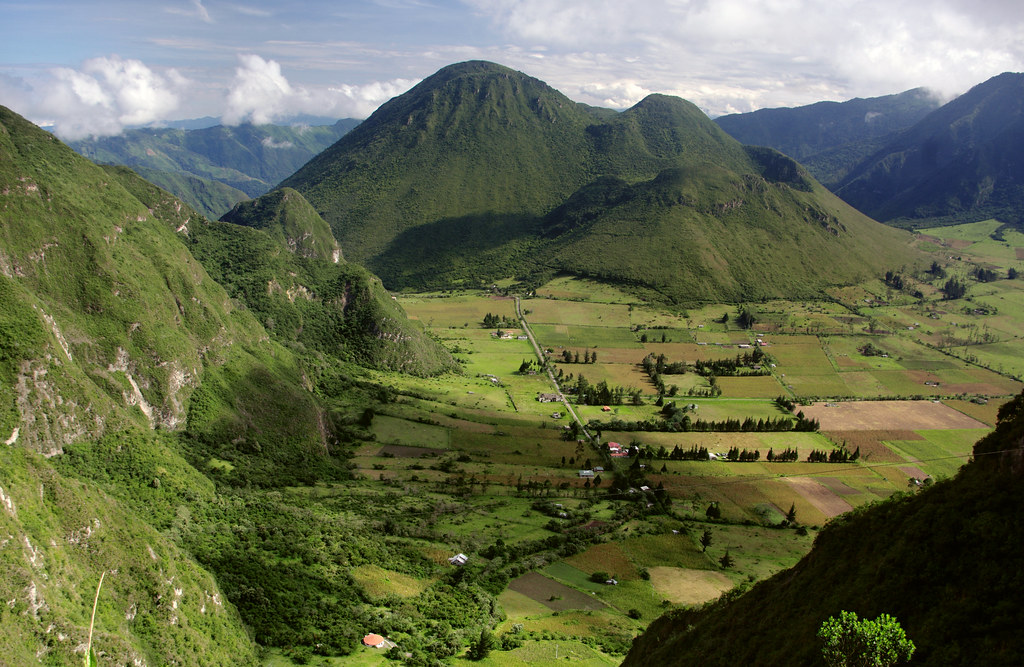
[463,180]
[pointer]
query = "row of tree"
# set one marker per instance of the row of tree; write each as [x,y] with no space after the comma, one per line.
[569,357]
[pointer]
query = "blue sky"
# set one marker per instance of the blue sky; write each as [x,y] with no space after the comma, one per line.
[95,67]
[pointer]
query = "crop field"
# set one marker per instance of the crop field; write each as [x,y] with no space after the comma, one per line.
[576,313]
[552,594]
[875,415]
[688,587]
[488,461]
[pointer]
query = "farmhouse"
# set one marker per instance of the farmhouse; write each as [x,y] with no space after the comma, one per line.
[459,559]
[549,398]
[586,473]
[376,641]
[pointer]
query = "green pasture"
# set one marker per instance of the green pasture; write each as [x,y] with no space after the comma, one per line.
[576,313]
[463,311]
[572,288]
[548,653]
[404,432]
[578,338]
[799,355]
[942,452]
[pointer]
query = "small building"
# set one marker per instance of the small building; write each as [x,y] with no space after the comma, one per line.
[556,415]
[459,560]
[612,582]
[606,409]
[376,641]
[586,473]
[549,398]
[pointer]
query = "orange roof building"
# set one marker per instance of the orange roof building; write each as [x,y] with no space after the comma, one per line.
[373,640]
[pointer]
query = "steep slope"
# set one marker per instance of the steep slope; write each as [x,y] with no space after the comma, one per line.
[458,180]
[947,563]
[310,295]
[287,217]
[245,161]
[109,329]
[831,137]
[959,164]
[471,141]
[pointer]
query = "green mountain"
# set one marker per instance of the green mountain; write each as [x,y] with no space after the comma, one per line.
[947,562]
[831,137]
[958,164]
[213,168]
[145,407]
[463,179]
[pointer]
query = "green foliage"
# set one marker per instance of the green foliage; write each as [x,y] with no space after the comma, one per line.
[482,646]
[480,172]
[852,642]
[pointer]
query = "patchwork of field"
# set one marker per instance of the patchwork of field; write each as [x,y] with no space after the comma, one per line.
[896,379]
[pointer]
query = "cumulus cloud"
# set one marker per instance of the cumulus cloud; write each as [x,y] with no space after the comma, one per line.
[260,93]
[101,98]
[744,54]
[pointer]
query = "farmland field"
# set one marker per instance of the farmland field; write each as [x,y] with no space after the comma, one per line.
[905,383]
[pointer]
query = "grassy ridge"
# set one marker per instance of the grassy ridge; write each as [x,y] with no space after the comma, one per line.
[481,173]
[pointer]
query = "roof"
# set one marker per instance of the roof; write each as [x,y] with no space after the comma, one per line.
[373,640]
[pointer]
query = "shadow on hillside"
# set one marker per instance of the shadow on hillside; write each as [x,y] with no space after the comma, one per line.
[470,248]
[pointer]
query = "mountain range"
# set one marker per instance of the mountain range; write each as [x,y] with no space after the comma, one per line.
[213,168]
[829,137]
[903,161]
[481,172]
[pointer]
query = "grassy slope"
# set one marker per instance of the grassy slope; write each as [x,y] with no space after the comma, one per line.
[463,179]
[942,562]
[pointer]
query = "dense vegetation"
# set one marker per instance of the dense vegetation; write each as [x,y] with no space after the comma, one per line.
[481,172]
[146,403]
[941,561]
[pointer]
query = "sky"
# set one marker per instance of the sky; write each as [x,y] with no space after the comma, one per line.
[92,68]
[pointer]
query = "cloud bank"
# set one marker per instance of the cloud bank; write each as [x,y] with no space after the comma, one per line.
[99,99]
[260,93]
[738,55]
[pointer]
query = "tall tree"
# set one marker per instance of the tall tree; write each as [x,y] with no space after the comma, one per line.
[705,540]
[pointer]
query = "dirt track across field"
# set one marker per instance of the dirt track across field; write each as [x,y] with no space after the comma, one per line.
[822,497]
[879,415]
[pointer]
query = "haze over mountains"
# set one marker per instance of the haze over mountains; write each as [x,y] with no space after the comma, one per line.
[214,167]
[956,163]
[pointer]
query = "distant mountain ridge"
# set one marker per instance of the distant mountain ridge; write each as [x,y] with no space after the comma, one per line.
[455,182]
[212,168]
[958,164]
[830,137]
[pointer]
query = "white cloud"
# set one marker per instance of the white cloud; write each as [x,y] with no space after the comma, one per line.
[101,98]
[261,94]
[196,9]
[744,54]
